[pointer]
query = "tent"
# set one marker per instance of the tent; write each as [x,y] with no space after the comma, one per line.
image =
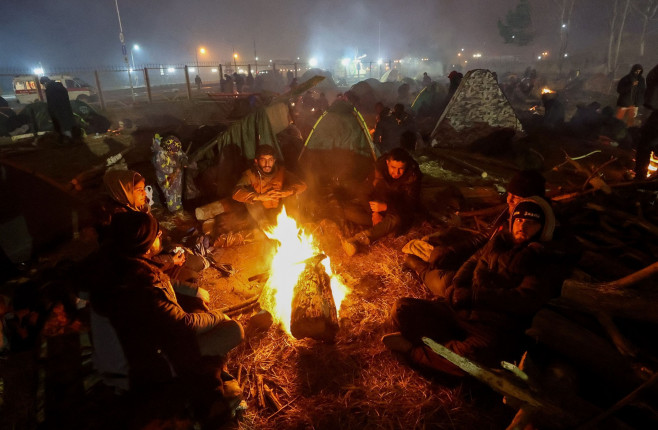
[477,108]
[222,160]
[339,148]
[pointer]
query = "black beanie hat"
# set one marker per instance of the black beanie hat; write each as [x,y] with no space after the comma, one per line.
[133,232]
[529,210]
[527,183]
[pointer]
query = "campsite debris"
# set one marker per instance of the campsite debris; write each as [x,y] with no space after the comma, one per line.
[313,309]
[82,179]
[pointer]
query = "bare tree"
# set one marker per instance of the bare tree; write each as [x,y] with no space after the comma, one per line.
[619,13]
[566,11]
[647,10]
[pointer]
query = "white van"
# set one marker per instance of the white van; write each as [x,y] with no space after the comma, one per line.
[26,88]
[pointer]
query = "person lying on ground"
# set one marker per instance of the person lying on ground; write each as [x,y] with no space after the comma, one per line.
[265,186]
[393,202]
[484,312]
[163,339]
[437,258]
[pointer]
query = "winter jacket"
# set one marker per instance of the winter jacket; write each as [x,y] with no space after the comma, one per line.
[629,94]
[651,94]
[402,195]
[156,334]
[254,182]
[504,282]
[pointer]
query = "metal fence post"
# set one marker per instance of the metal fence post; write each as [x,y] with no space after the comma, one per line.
[100,90]
[147,82]
[187,83]
[221,75]
[295,64]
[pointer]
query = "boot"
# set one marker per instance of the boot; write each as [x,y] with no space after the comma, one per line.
[351,245]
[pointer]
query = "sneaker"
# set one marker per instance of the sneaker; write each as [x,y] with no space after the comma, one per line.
[397,342]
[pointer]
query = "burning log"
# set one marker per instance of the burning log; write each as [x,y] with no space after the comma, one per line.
[313,309]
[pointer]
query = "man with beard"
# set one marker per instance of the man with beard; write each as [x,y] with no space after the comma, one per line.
[491,301]
[393,200]
[264,186]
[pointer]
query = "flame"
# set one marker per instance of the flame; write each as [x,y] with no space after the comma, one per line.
[653,165]
[547,90]
[295,246]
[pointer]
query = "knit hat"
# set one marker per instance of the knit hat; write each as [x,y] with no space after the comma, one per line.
[133,233]
[527,183]
[171,144]
[538,209]
[529,210]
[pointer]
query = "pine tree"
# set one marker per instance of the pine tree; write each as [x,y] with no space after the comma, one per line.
[517,28]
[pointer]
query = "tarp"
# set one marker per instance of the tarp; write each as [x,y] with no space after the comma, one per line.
[227,156]
[478,104]
[339,147]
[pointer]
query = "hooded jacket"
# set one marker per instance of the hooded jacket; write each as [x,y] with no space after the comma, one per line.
[402,195]
[629,94]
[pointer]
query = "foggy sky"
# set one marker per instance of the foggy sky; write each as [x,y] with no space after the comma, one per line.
[86,32]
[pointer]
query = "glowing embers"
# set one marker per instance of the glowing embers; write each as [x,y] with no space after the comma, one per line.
[653,165]
[546,90]
[302,293]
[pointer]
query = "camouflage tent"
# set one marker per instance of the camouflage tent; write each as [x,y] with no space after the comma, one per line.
[477,108]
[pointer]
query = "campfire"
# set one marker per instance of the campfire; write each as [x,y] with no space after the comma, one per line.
[547,90]
[302,293]
[653,165]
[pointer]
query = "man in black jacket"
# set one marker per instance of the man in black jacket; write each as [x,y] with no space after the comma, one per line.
[491,301]
[631,95]
[393,200]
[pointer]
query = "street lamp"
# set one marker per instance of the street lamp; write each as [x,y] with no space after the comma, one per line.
[132,57]
[201,50]
[235,61]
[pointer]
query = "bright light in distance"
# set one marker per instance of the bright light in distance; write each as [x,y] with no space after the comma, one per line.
[539,57]
[345,61]
[131,69]
[379,61]
[478,55]
[564,26]
[256,58]
[462,49]
[235,56]
[313,62]
[136,47]
[192,69]
[171,69]
[202,50]
[213,70]
[38,71]
[566,55]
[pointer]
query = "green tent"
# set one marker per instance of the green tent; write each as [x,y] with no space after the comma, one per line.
[339,147]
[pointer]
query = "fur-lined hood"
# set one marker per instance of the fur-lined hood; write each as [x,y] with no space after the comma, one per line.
[546,233]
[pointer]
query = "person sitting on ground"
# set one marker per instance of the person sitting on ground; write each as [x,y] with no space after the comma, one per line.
[490,302]
[125,192]
[437,258]
[264,186]
[393,201]
[163,341]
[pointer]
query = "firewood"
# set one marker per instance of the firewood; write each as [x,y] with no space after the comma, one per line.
[623,345]
[273,398]
[625,217]
[583,347]
[615,297]
[260,391]
[540,407]
[313,309]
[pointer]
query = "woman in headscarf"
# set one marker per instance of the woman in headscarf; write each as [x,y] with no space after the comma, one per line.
[126,192]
